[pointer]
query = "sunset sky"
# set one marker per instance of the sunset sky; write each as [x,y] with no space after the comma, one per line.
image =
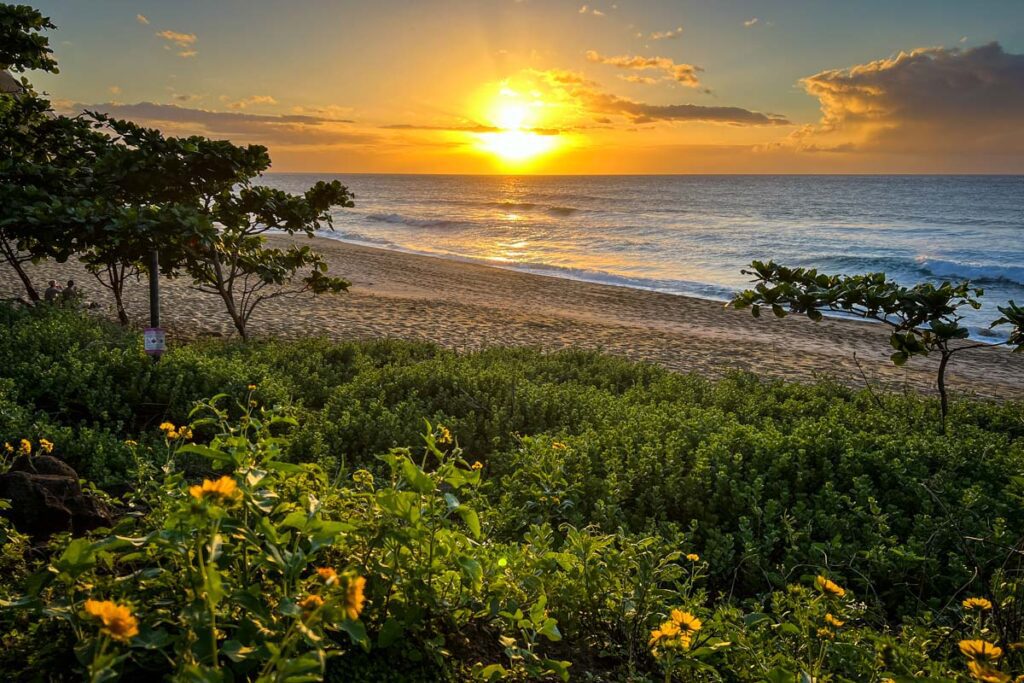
[532,86]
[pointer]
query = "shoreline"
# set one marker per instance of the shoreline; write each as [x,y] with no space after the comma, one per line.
[538,270]
[465,306]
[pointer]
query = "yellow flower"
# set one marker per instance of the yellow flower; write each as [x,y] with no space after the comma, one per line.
[311,602]
[686,621]
[980,649]
[826,634]
[25,447]
[251,387]
[980,604]
[833,621]
[224,488]
[46,445]
[130,443]
[8,448]
[166,427]
[478,465]
[693,557]
[669,629]
[984,672]
[328,575]
[830,587]
[118,622]
[354,597]
[558,446]
[184,432]
[253,404]
[444,436]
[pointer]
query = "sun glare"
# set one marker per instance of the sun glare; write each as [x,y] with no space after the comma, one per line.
[515,118]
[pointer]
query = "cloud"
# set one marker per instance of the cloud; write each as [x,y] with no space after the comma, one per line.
[667,35]
[467,128]
[634,78]
[238,105]
[183,41]
[753,21]
[585,9]
[940,99]
[242,128]
[681,73]
[599,105]
[141,18]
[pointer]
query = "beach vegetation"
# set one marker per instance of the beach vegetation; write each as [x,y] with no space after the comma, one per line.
[556,515]
[925,318]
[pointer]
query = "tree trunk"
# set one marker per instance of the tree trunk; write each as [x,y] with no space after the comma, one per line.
[122,315]
[12,259]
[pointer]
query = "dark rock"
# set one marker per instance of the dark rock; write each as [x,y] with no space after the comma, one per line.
[46,498]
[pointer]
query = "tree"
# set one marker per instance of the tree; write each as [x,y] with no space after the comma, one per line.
[45,159]
[22,45]
[924,318]
[238,266]
[204,187]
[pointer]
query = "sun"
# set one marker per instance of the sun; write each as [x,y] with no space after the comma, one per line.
[517,137]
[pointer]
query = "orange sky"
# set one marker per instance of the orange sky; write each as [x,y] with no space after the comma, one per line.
[524,86]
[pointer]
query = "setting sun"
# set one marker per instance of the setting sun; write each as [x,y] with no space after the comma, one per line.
[515,118]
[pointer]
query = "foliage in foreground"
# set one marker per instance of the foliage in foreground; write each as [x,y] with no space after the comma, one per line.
[235,578]
[572,507]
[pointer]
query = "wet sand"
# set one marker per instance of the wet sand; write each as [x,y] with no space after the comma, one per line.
[468,306]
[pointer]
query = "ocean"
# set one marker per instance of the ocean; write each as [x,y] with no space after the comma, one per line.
[693,234]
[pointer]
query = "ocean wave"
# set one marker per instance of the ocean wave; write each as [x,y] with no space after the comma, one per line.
[510,206]
[399,219]
[975,272]
[920,266]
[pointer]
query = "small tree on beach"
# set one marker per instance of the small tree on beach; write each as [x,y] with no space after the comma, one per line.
[237,265]
[924,318]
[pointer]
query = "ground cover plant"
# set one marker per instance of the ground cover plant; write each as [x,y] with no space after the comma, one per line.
[505,514]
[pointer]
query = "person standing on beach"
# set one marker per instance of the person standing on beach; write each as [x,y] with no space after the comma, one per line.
[52,292]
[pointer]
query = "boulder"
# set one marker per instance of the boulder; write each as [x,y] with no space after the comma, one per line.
[46,498]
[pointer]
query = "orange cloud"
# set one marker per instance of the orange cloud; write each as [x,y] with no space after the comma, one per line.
[926,100]
[248,101]
[597,104]
[681,73]
[667,35]
[183,41]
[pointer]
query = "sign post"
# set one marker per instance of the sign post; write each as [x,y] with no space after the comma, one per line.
[154,338]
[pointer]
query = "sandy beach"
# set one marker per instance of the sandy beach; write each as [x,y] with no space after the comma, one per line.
[468,306]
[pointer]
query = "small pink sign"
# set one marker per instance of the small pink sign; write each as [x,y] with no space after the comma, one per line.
[154,340]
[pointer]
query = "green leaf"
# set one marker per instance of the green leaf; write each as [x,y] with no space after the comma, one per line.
[79,556]
[472,569]
[390,632]
[205,452]
[419,481]
[470,518]
[357,632]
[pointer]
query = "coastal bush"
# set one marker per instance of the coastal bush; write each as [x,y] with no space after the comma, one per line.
[267,570]
[758,477]
[599,477]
